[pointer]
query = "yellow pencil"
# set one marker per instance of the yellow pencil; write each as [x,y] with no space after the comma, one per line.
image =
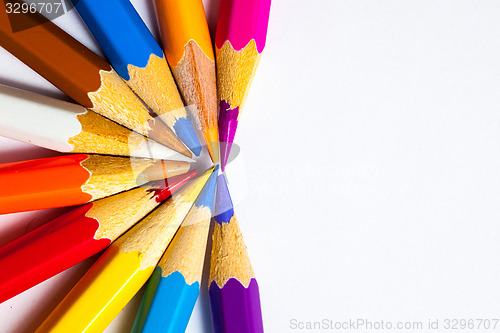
[123,268]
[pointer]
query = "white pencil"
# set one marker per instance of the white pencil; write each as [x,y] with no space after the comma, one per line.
[70,128]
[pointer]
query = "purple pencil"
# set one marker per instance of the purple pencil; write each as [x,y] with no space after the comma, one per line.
[234,292]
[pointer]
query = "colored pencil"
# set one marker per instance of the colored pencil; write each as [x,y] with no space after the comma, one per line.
[136,56]
[233,292]
[71,128]
[75,179]
[239,41]
[80,74]
[123,268]
[77,235]
[175,284]
[189,52]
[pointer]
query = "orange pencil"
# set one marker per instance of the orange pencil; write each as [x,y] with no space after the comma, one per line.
[75,179]
[188,47]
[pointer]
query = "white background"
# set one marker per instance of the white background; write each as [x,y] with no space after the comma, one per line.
[370,151]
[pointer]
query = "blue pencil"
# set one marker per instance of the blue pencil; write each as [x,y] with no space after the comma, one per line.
[175,284]
[136,56]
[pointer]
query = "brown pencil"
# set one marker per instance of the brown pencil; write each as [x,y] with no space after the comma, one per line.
[79,73]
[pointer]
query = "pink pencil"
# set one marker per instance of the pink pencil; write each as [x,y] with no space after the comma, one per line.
[240,40]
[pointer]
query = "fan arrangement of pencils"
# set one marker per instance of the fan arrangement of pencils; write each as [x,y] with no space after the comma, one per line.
[138,121]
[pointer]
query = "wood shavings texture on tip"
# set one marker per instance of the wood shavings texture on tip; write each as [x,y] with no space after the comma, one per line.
[229,255]
[111,175]
[235,72]
[102,136]
[116,101]
[195,75]
[116,214]
[187,252]
[156,86]
[153,234]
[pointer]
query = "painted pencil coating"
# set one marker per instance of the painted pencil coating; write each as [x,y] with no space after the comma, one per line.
[233,291]
[236,308]
[22,108]
[67,127]
[123,268]
[240,21]
[22,180]
[123,44]
[188,48]
[106,288]
[51,52]
[167,304]
[75,179]
[137,57]
[174,287]
[180,22]
[19,260]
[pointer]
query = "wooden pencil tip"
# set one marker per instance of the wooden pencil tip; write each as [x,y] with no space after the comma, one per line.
[164,188]
[162,170]
[162,134]
[212,140]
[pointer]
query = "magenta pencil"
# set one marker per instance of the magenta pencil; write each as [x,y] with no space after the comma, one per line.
[233,290]
[239,41]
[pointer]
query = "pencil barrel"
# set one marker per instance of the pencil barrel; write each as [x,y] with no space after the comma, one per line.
[236,308]
[47,251]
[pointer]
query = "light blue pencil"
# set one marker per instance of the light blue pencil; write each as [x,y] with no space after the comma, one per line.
[175,284]
[136,56]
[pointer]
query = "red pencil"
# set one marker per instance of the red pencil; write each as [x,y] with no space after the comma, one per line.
[77,235]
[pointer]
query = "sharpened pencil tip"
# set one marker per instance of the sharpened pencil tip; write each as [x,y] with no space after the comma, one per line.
[225,149]
[207,195]
[228,123]
[162,170]
[185,131]
[163,189]
[223,203]
[212,139]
